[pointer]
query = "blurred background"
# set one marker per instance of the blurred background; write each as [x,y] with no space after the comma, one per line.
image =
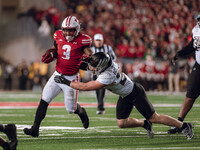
[145,36]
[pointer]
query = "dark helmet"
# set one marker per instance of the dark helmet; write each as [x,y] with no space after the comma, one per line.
[100,61]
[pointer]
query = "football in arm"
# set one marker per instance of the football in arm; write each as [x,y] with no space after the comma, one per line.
[53,53]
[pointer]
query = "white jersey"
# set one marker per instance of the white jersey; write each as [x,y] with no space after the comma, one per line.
[117,82]
[196,44]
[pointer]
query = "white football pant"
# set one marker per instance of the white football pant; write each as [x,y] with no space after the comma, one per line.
[52,89]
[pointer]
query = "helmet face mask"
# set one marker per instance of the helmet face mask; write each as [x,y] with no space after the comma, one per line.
[70,23]
[69,33]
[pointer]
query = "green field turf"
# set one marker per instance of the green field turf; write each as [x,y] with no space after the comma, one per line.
[63,131]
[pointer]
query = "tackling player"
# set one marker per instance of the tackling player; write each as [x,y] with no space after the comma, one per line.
[193,82]
[69,47]
[130,94]
[99,46]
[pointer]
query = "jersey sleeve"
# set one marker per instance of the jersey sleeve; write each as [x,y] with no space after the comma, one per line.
[187,49]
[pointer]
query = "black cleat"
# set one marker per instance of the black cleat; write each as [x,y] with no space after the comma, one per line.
[11,132]
[31,132]
[100,112]
[149,130]
[174,130]
[189,131]
[84,118]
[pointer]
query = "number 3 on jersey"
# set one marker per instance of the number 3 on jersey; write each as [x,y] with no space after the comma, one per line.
[67,50]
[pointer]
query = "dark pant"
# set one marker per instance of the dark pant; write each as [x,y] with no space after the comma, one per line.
[137,98]
[193,83]
[100,94]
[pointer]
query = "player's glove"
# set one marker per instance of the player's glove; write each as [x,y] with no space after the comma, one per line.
[49,56]
[175,58]
[61,79]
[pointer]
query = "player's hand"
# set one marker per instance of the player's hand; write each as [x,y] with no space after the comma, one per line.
[175,58]
[61,79]
[49,56]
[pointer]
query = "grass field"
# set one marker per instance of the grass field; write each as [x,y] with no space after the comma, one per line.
[63,131]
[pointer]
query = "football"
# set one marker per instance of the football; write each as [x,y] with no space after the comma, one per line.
[53,53]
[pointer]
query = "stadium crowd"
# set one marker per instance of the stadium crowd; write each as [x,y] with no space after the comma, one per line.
[142,32]
[133,27]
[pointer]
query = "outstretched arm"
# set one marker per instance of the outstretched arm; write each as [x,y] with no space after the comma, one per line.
[184,51]
[89,86]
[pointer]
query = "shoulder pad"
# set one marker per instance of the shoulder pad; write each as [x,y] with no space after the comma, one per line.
[58,35]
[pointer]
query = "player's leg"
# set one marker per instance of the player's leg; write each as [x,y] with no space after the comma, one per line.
[170,121]
[165,119]
[123,110]
[186,106]
[144,106]
[83,116]
[193,92]
[50,91]
[100,94]
[71,98]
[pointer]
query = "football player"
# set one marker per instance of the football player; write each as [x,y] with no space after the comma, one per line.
[69,47]
[10,131]
[130,94]
[193,82]
[99,46]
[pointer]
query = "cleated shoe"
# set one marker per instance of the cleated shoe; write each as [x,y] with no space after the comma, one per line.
[174,130]
[189,131]
[100,112]
[84,118]
[31,132]
[11,132]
